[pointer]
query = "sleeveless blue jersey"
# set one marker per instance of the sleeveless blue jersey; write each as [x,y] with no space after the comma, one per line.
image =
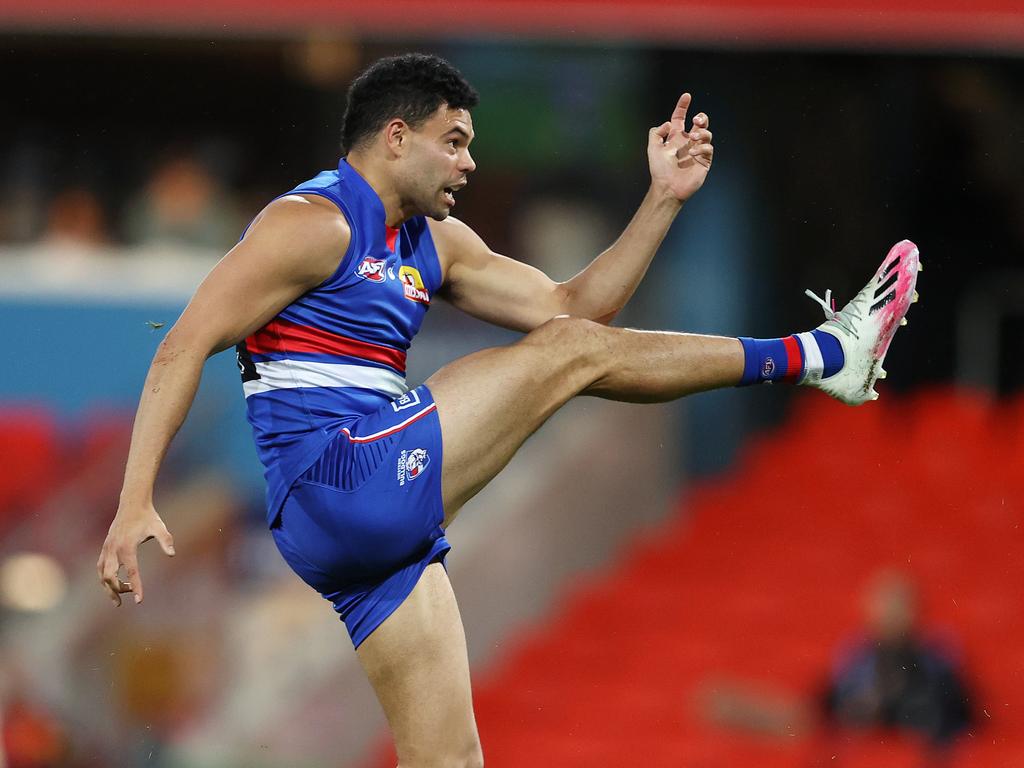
[338,351]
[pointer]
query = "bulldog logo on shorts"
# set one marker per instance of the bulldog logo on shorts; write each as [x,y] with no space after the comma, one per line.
[412,464]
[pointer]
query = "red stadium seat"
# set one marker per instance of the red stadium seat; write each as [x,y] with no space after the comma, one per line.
[29,460]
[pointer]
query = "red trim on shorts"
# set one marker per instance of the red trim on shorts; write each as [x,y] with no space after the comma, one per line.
[391,430]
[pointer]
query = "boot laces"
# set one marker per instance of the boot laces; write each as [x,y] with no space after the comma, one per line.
[844,318]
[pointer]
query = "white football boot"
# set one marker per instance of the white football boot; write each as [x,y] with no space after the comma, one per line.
[866,325]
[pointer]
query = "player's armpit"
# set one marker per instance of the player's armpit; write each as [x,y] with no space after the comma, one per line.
[492,287]
[292,246]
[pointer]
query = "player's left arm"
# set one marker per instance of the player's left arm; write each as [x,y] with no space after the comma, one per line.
[514,295]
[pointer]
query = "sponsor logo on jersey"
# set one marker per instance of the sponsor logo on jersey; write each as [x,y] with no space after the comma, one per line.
[769,367]
[372,269]
[408,400]
[245,364]
[412,464]
[413,286]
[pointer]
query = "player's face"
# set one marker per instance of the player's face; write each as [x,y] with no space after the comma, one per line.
[439,161]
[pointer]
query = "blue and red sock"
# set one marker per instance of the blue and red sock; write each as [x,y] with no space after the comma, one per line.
[813,355]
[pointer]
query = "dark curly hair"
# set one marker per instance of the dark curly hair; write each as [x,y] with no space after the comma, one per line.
[411,86]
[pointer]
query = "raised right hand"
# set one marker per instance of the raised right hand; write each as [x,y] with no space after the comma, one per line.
[120,550]
[680,159]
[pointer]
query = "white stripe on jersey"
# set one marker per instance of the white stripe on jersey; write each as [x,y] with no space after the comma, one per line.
[814,365]
[291,374]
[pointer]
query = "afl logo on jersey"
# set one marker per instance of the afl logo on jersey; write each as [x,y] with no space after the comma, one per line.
[374,270]
[412,285]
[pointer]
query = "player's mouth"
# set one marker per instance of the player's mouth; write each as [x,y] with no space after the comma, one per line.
[449,193]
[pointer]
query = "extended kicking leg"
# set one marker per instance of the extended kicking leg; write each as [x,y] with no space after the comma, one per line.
[490,402]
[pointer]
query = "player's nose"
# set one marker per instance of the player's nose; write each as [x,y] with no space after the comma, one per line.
[468,165]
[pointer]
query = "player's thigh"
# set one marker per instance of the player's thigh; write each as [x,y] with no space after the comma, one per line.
[416,661]
[489,402]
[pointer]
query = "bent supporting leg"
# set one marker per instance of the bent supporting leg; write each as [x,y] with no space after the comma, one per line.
[416,662]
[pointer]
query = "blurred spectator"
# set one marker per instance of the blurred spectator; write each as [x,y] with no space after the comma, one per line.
[892,677]
[183,204]
[561,236]
[75,217]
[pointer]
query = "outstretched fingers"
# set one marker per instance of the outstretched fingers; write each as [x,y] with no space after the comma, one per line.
[678,135]
[679,158]
[679,113]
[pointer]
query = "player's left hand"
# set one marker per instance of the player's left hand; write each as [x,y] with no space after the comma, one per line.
[680,159]
[132,526]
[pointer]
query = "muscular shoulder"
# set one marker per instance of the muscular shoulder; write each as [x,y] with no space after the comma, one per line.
[456,242]
[308,232]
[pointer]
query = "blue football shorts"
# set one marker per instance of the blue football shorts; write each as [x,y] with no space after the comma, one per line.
[362,524]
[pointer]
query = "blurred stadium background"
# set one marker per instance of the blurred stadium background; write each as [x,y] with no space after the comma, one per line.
[632,563]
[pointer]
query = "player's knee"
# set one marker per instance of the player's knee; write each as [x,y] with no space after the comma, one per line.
[568,336]
[575,350]
[474,758]
[468,755]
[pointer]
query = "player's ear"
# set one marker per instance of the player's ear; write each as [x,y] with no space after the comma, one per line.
[396,135]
